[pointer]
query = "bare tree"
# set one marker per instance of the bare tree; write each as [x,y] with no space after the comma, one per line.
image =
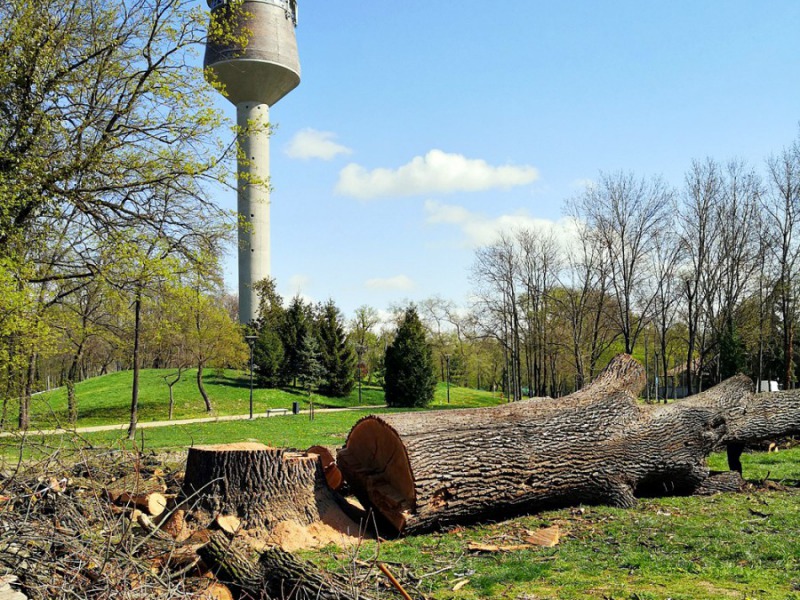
[540,264]
[666,258]
[626,213]
[699,231]
[496,304]
[782,211]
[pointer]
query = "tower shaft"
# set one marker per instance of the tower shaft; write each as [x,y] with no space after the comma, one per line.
[252,119]
[251,56]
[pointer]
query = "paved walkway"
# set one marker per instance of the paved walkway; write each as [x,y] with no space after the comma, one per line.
[273,412]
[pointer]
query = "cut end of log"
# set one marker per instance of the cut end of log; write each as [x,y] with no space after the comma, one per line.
[375,463]
[332,473]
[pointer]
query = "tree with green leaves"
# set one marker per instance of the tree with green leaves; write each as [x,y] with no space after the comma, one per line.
[410,379]
[106,127]
[336,352]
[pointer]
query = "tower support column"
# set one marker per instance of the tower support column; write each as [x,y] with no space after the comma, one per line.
[252,119]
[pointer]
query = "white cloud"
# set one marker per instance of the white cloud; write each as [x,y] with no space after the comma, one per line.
[582,184]
[480,229]
[297,285]
[310,143]
[436,172]
[398,282]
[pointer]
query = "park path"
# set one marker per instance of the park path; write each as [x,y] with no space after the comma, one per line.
[274,412]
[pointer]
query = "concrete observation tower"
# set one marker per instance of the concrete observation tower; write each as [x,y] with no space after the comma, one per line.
[255,77]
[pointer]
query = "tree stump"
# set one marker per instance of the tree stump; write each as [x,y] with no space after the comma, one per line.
[422,471]
[259,485]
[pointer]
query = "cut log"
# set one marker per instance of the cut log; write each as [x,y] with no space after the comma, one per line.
[230,524]
[277,574]
[259,485]
[175,525]
[153,503]
[422,471]
[332,473]
[146,495]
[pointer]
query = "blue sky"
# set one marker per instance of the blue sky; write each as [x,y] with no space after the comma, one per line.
[420,129]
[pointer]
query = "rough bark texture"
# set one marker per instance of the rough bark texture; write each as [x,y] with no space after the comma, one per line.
[277,574]
[421,471]
[259,485]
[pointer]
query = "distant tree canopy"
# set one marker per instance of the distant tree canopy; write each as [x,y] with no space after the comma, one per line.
[409,377]
[302,343]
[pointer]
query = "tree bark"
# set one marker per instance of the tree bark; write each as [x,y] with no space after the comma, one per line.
[257,484]
[137,324]
[202,388]
[422,471]
[277,575]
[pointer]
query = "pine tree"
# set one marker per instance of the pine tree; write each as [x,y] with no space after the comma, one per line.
[336,353]
[268,352]
[310,372]
[410,379]
[296,325]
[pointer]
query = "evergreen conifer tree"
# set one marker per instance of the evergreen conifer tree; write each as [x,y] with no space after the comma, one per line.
[336,353]
[268,353]
[297,324]
[409,379]
[310,373]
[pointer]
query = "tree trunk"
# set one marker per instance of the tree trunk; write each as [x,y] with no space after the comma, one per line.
[137,324]
[72,374]
[277,575]
[599,445]
[202,388]
[25,397]
[257,484]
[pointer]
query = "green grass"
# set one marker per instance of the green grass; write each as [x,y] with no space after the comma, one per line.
[106,400]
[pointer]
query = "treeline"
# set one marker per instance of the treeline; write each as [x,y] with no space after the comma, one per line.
[302,344]
[701,282]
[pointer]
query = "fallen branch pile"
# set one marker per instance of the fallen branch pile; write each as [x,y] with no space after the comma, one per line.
[116,526]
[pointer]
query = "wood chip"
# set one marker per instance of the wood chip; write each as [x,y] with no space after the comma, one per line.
[460,585]
[491,548]
[545,538]
[228,523]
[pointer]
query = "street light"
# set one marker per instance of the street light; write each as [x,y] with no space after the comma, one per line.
[447,361]
[360,349]
[251,341]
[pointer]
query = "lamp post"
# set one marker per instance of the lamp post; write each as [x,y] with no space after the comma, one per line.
[251,341]
[360,349]
[656,378]
[447,361]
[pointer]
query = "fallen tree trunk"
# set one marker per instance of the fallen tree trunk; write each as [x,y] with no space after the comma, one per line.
[277,574]
[421,471]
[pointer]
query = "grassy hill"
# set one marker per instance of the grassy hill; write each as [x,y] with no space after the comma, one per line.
[106,400]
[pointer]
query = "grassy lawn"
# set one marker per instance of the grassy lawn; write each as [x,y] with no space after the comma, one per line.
[106,400]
